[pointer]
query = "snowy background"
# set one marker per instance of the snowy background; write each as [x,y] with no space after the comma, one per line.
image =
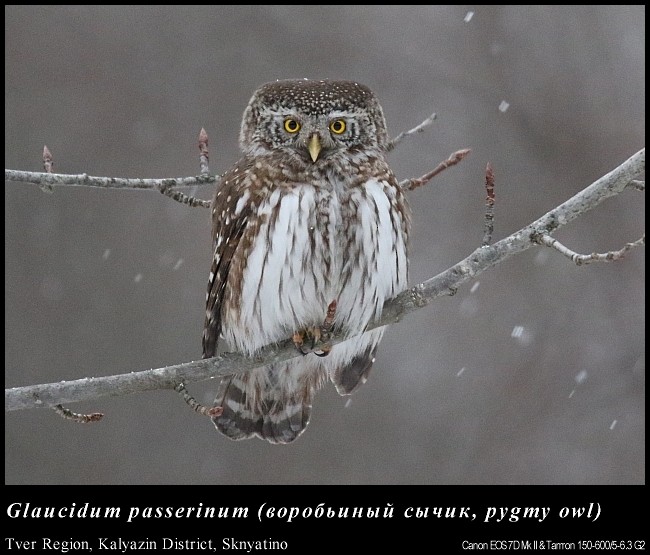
[534,374]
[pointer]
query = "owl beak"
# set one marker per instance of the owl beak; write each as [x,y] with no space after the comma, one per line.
[314,147]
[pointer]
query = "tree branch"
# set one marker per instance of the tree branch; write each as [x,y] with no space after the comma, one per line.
[454,158]
[580,259]
[204,157]
[165,185]
[445,283]
[85,180]
[489,205]
[48,165]
[417,129]
[67,414]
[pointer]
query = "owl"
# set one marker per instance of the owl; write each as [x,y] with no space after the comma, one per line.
[310,218]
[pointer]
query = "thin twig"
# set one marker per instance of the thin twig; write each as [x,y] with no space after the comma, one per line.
[417,129]
[454,158]
[489,205]
[204,156]
[85,180]
[77,417]
[48,162]
[328,323]
[183,198]
[581,259]
[445,283]
[49,179]
[195,405]
[48,165]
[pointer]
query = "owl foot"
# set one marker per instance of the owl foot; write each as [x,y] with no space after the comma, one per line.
[315,334]
[308,336]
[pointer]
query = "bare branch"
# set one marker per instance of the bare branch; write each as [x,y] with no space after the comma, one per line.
[454,158]
[85,180]
[49,179]
[67,414]
[417,129]
[445,283]
[48,165]
[204,157]
[489,205]
[581,259]
[183,198]
[195,405]
[166,186]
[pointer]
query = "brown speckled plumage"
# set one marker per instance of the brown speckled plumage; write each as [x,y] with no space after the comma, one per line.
[291,234]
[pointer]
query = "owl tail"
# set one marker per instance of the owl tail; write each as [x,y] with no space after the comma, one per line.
[269,403]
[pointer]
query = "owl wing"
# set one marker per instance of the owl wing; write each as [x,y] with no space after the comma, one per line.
[230,214]
[250,406]
[349,377]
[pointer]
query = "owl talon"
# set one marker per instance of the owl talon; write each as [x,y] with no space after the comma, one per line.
[326,350]
[325,331]
[317,334]
[298,341]
[310,336]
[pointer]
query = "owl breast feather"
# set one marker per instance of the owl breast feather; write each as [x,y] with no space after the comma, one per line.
[307,246]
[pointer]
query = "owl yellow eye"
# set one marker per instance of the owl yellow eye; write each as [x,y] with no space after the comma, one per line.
[291,125]
[338,126]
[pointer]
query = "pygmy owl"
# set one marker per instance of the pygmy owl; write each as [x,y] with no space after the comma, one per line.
[310,214]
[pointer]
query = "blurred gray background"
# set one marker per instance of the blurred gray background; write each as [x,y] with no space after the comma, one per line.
[100,282]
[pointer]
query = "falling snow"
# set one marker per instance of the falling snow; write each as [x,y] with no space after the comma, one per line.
[572,394]
[517,332]
[348,403]
[458,374]
[468,17]
[503,106]
[106,254]
[178,264]
[138,278]
[581,376]
[613,424]
[522,335]
[541,257]
[475,287]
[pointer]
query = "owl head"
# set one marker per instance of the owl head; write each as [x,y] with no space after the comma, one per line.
[313,120]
